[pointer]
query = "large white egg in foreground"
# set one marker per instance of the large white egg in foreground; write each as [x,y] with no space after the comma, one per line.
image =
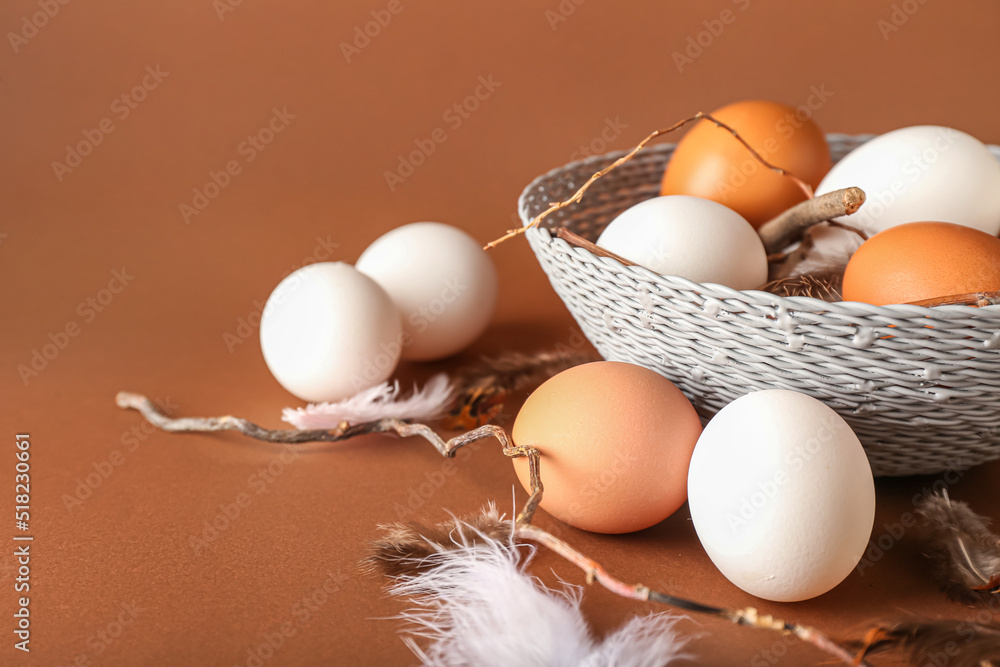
[329,331]
[781,495]
[442,281]
[691,237]
[924,172]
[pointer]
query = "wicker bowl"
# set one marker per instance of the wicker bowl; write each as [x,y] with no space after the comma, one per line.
[920,386]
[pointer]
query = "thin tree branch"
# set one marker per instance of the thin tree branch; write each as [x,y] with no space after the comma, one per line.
[555,206]
[575,239]
[788,226]
[978,299]
[522,524]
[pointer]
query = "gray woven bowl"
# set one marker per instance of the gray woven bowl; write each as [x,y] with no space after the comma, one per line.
[920,386]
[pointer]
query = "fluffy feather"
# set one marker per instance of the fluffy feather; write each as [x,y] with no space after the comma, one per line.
[404,548]
[486,385]
[376,403]
[475,606]
[823,253]
[645,641]
[830,250]
[966,552]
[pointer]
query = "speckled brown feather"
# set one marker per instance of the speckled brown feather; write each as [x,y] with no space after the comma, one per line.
[484,386]
[404,548]
[965,551]
[937,642]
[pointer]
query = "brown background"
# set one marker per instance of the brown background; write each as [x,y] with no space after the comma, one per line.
[323,178]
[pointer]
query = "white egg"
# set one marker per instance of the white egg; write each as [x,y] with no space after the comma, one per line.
[921,173]
[442,281]
[781,495]
[691,237]
[329,331]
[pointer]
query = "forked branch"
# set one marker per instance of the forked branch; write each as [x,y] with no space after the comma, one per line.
[523,527]
[555,206]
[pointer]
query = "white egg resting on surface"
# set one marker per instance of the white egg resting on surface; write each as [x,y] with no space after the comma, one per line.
[781,495]
[924,173]
[442,281]
[328,331]
[691,237]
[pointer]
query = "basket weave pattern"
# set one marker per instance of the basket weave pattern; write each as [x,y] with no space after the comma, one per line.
[920,386]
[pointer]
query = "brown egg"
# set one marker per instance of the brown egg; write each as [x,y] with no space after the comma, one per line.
[709,162]
[615,441]
[922,260]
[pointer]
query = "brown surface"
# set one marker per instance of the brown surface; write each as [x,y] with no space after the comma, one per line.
[323,178]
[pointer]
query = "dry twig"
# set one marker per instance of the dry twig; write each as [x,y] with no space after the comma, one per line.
[936,642]
[978,299]
[522,525]
[555,206]
[575,239]
[788,226]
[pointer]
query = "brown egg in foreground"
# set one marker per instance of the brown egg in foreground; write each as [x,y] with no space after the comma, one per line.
[615,441]
[922,260]
[709,162]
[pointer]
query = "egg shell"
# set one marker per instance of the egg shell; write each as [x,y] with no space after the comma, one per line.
[924,172]
[328,331]
[781,495]
[922,260]
[709,162]
[691,237]
[615,442]
[442,281]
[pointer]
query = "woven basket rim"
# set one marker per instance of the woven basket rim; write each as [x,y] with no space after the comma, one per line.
[715,291]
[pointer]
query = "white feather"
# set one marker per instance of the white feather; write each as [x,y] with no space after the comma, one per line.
[376,403]
[832,249]
[478,608]
[645,641]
